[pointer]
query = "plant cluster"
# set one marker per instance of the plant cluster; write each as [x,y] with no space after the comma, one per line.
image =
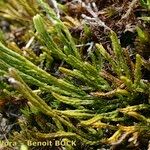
[99,98]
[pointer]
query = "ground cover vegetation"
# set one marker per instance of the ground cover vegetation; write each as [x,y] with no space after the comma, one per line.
[75,70]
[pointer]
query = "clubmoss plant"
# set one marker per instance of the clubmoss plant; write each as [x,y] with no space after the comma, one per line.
[86,101]
[19,10]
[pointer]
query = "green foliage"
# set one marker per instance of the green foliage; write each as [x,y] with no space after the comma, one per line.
[87,102]
[143,36]
[18,10]
[145,3]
